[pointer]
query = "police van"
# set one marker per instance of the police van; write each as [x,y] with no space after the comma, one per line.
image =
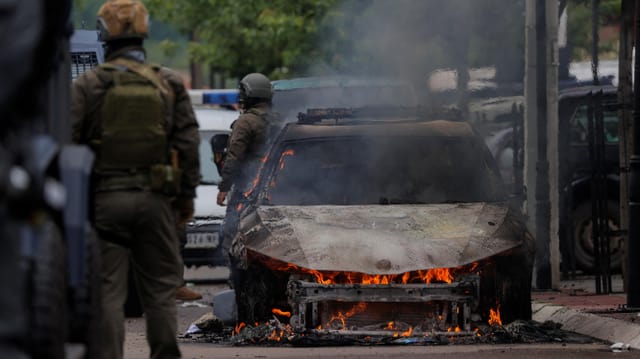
[87,52]
[215,111]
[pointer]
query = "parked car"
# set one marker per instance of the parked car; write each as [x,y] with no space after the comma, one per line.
[575,165]
[351,198]
[202,234]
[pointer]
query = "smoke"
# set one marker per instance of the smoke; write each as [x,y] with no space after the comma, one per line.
[408,39]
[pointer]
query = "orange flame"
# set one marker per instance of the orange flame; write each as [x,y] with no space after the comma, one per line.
[436,275]
[494,316]
[407,333]
[281,313]
[288,152]
[239,327]
[341,318]
[257,177]
[276,335]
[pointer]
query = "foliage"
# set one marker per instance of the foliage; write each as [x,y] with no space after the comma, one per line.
[580,26]
[238,37]
[291,37]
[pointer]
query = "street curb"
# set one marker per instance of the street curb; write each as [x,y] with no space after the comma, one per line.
[607,329]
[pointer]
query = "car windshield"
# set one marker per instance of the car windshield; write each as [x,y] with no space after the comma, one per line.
[401,170]
[208,169]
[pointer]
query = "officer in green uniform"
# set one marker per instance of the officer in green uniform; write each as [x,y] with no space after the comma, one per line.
[138,120]
[248,135]
[246,146]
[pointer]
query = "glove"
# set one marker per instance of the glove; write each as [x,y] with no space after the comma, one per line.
[184,210]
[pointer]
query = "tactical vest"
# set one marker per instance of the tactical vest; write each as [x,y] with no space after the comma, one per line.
[259,149]
[273,127]
[133,151]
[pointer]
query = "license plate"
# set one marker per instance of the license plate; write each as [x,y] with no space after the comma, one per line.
[202,240]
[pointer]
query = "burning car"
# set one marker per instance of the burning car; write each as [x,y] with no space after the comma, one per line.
[380,220]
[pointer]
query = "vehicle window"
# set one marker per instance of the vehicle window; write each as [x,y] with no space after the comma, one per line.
[580,122]
[208,169]
[393,170]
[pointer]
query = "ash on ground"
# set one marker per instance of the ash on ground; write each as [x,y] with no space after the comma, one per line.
[276,333]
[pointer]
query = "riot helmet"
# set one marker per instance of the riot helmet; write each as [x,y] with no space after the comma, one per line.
[123,19]
[254,88]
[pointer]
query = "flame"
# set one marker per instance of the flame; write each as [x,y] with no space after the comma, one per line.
[239,327]
[288,152]
[276,335]
[494,316]
[279,312]
[407,333]
[341,318]
[436,275]
[255,181]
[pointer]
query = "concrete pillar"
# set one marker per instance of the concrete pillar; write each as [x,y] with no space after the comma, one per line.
[541,153]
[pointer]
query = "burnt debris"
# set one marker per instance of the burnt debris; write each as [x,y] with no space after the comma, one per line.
[276,333]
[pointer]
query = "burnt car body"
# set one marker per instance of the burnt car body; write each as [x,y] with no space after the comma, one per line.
[395,211]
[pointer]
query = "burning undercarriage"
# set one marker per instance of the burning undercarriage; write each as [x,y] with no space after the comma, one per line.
[380,229]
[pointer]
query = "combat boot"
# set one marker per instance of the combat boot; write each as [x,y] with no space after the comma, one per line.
[186,294]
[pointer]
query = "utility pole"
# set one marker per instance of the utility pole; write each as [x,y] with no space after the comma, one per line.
[541,137]
[625,98]
[633,244]
[553,127]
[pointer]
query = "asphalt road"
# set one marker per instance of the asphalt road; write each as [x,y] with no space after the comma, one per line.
[136,346]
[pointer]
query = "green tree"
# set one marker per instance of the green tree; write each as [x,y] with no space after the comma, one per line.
[405,38]
[580,26]
[238,37]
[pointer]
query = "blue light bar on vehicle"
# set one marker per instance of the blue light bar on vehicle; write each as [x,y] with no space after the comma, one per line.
[214,97]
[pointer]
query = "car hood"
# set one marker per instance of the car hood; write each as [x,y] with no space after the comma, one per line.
[205,203]
[380,239]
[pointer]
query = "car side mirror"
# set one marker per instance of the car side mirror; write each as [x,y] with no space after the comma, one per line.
[219,145]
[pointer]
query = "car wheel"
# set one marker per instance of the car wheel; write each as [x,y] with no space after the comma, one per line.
[582,227]
[513,285]
[86,311]
[47,299]
[258,291]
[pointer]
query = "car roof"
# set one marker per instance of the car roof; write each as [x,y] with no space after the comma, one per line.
[215,118]
[437,128]
[581,91]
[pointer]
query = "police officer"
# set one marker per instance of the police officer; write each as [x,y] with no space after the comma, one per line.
[248,135]
[138,120]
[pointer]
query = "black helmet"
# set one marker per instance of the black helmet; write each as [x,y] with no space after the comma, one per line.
[256,88]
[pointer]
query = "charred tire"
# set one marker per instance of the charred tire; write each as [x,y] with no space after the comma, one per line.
[133,304]
[513,288]
[505,284]
[86,309]
[258,291]
[584,251]
[47,296]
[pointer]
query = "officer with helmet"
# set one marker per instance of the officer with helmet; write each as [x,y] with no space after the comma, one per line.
[138,120]
[246,146]
[248,133]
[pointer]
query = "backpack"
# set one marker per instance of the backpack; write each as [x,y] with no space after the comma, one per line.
[134,140]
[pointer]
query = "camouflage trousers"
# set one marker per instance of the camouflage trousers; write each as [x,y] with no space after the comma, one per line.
[137,229]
